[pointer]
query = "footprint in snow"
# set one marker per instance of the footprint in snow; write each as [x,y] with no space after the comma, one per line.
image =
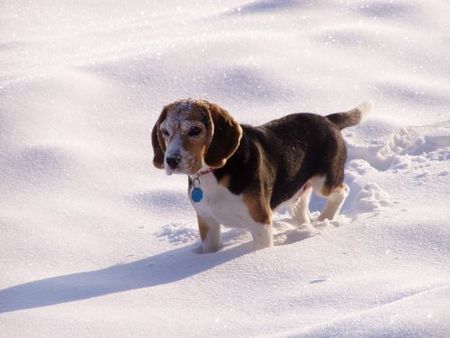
[406,148]
[178,233]
[372,198]
[286,232]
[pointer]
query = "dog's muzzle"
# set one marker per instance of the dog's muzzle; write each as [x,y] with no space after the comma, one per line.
[173,161]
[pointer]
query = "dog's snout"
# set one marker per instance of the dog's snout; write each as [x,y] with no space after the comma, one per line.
[173,161]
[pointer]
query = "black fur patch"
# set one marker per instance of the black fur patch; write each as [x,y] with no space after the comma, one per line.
[276,159]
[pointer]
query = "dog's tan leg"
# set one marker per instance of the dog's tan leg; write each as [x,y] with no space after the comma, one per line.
[334,203]
[209,233]
[300,208]
[260,220]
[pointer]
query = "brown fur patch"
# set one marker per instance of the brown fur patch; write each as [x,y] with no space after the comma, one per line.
[326,190]
[340,188]
[203,228]
[196,113]
[215,145]
[225,181]
[259,211]
[158,143]
[226,136]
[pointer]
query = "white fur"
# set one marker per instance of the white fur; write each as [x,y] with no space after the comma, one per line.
[300,207]
[334,203]
[365,109]
[220,206]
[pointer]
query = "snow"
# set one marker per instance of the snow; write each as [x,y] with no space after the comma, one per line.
[97,242]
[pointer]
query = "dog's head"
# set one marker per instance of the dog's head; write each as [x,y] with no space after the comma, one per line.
[190,134]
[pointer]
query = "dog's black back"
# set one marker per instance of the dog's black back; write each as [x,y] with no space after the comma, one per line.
[276,159]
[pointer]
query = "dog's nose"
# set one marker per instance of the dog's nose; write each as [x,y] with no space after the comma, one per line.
[173,161]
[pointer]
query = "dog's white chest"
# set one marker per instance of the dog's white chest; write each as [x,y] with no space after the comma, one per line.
[220,204]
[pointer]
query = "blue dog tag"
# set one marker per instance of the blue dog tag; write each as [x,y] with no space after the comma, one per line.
[197,194]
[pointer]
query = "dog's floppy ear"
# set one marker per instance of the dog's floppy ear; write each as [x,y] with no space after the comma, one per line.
[225,136]
[159,146]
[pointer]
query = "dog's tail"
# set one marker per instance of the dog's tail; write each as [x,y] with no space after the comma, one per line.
[352,117]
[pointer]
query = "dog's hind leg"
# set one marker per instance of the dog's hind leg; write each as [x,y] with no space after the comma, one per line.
[300,207]
[262,235]
[334,203]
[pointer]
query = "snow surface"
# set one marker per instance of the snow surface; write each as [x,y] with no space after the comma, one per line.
[96,242]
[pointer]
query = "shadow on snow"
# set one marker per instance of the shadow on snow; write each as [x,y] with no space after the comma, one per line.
[160,269]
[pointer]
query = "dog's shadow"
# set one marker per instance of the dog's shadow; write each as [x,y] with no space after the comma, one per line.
[167,267]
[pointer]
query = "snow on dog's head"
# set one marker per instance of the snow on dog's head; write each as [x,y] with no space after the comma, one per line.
[190,134]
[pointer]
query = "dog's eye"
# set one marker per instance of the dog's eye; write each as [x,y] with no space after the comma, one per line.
[165,132]
[194,131]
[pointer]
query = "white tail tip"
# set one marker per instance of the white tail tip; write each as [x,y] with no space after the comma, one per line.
[365,109]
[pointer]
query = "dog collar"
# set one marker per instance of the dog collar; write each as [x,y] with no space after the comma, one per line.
[197,192]
[203,172]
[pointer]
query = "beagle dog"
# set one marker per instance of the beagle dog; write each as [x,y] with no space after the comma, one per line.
[239,174]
